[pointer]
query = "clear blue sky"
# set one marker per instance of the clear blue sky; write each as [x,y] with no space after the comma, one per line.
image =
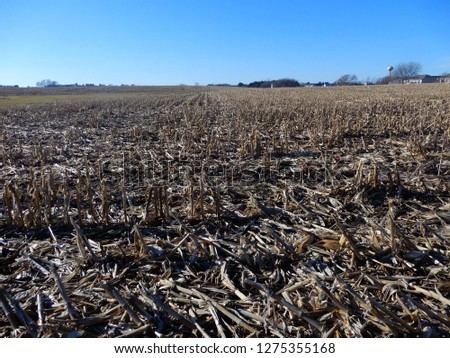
[168,42]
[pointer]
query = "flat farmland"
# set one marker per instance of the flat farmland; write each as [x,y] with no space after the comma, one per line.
[65,95]
[225,212]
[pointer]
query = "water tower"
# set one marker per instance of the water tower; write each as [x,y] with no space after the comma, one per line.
[390,68]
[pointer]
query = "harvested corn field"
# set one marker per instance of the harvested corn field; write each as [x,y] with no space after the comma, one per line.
[226,212]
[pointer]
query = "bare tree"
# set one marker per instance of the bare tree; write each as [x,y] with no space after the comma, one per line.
[407,70]
[46,83]
[384,80]
[347,80]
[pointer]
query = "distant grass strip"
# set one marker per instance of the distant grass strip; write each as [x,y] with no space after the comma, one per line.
[65,98]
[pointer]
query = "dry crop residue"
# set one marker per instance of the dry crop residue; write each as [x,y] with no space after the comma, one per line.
[228,212]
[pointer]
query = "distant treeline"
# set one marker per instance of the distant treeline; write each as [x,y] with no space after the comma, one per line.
[50,83]
[218,85]
[284,82]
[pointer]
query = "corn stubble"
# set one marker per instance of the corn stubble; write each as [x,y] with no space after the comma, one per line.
[228,213]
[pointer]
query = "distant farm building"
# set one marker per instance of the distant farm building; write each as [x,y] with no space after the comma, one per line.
[444,79]
[420,79]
